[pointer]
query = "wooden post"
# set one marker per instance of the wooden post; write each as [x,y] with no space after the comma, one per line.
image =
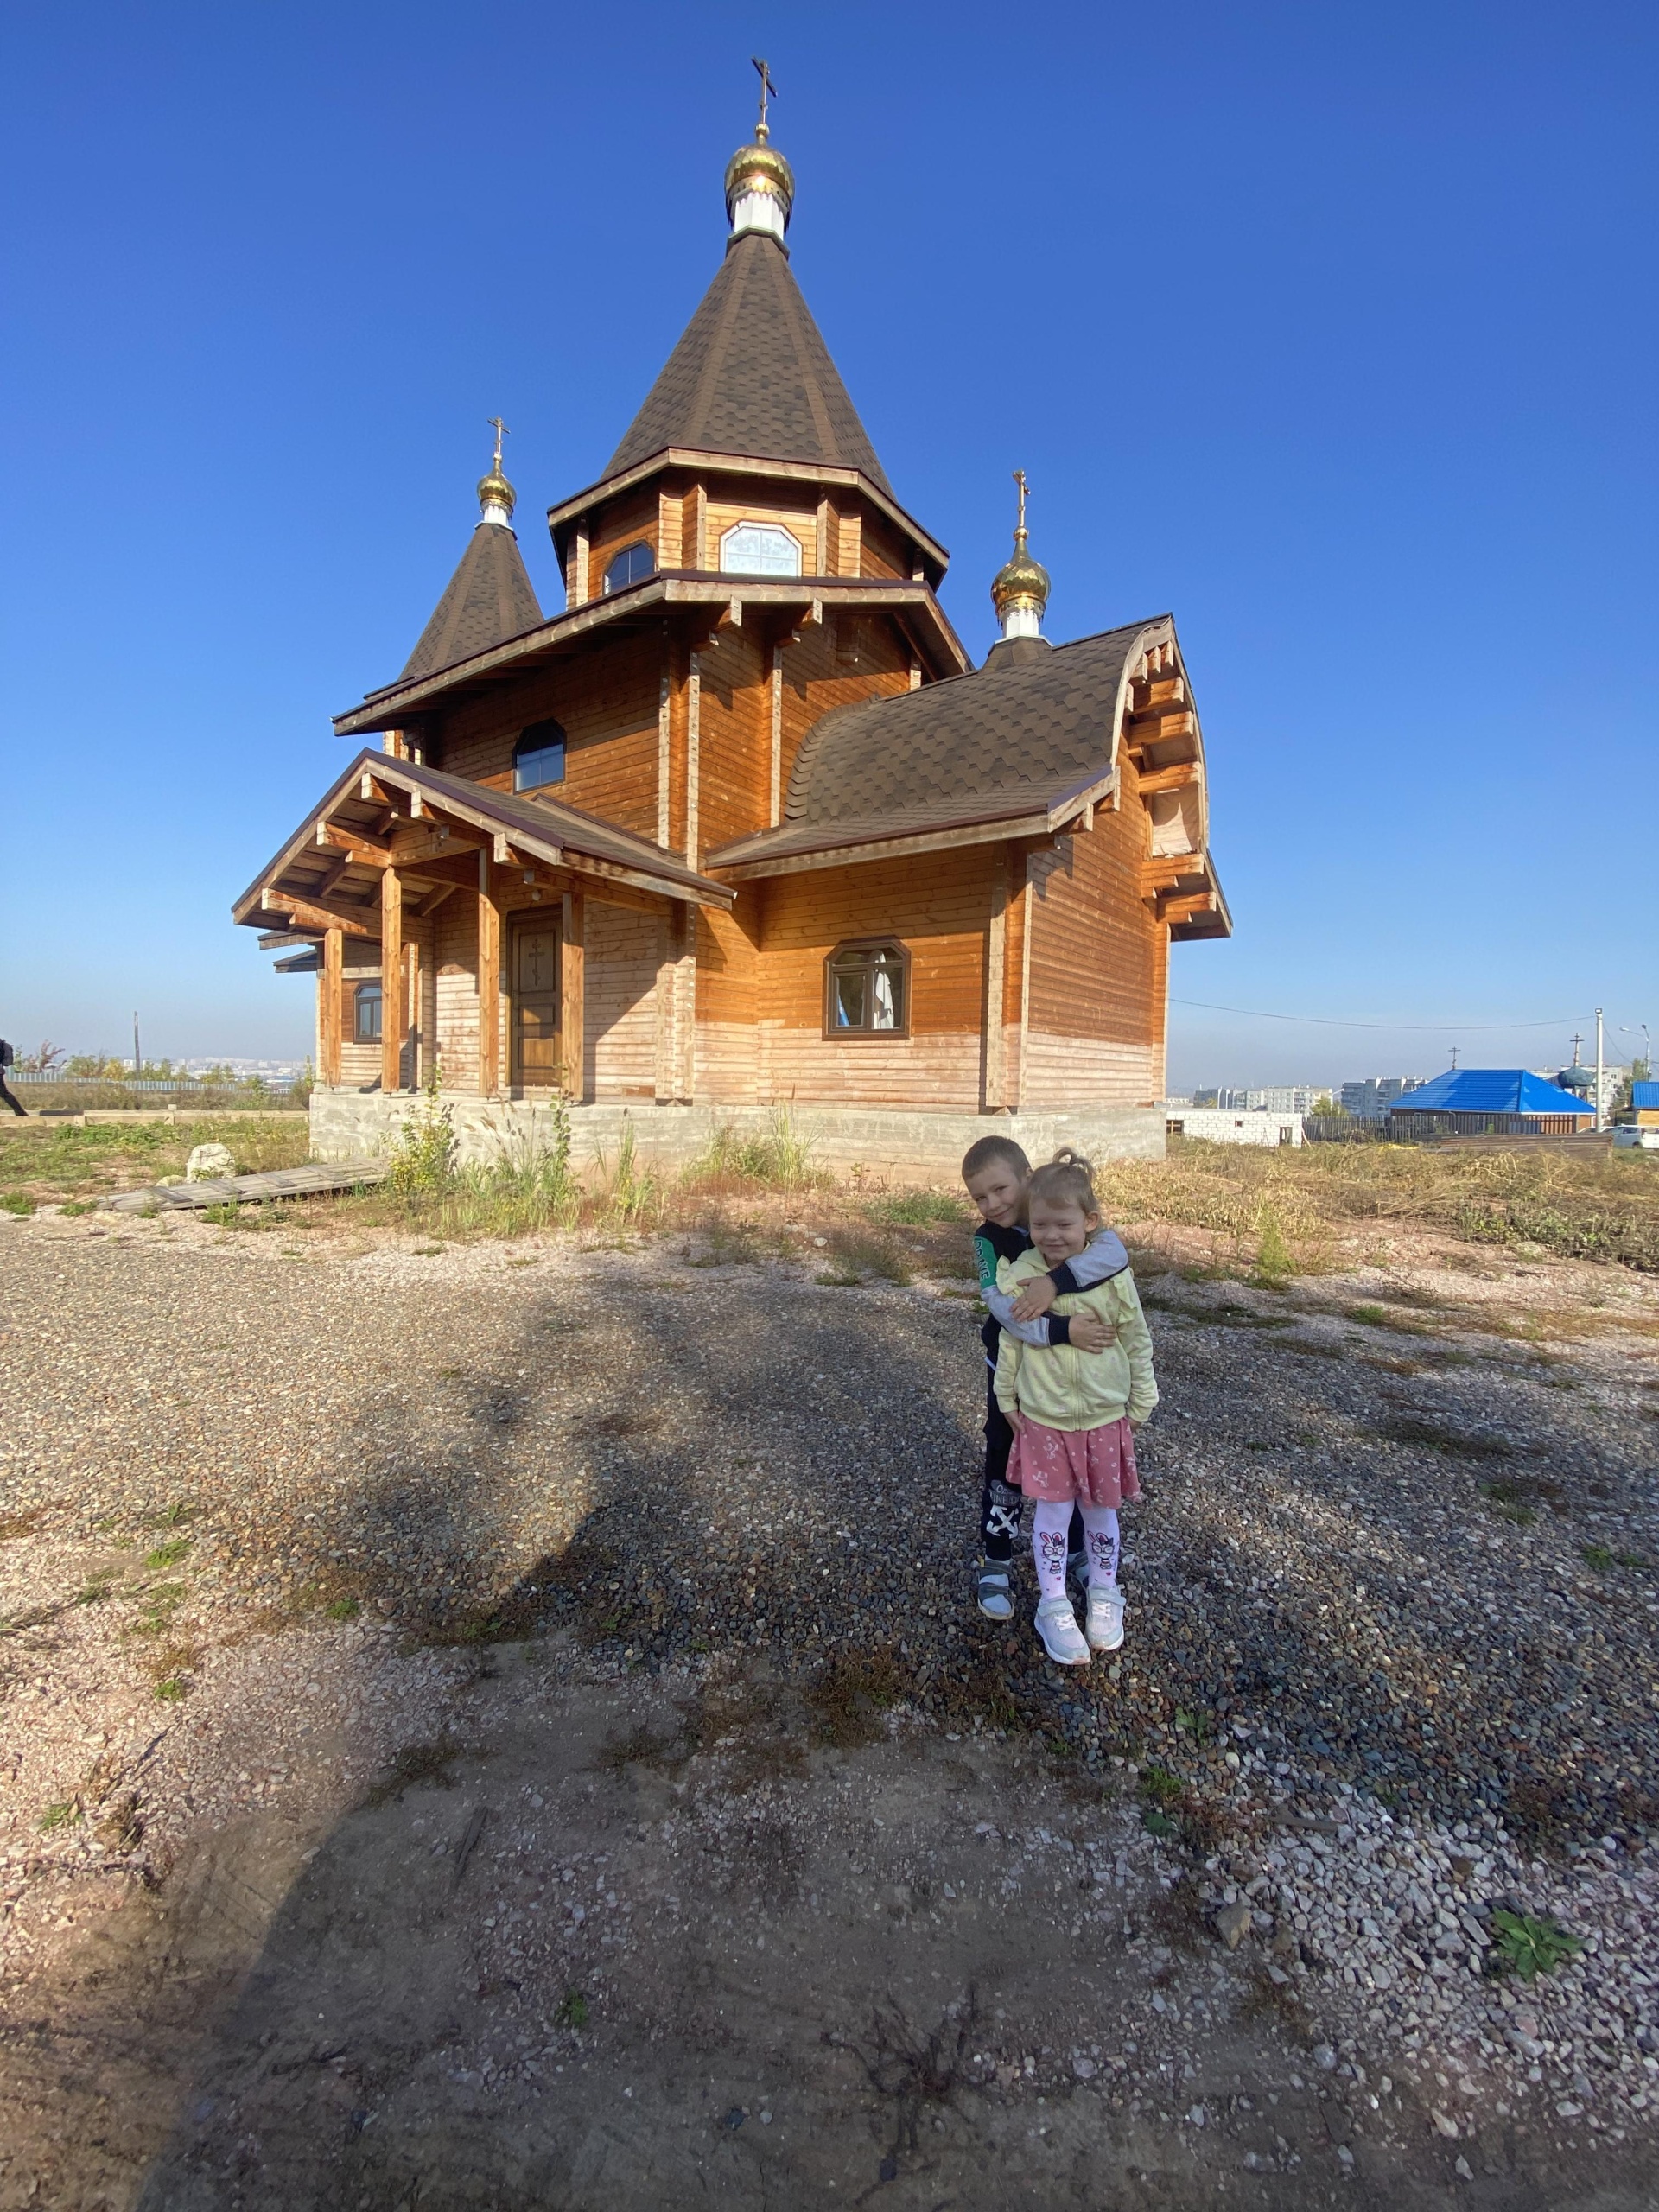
[573,1019]
[997,970]
[393,998]
[693,756]
[665,692]
[489,984]
[775,810]
[414,1026]
[333,981]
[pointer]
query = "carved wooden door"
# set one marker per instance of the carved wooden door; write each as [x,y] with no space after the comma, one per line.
[536,1054]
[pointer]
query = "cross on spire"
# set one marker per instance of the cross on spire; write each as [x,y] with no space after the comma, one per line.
[501,431]
[768,91]
[1019,479]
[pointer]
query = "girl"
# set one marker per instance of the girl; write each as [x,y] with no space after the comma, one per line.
[1071,1411]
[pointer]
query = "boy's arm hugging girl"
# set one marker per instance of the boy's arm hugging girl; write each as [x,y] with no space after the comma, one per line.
[1071,1357]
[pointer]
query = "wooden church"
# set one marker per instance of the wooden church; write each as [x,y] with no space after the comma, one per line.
[741,823]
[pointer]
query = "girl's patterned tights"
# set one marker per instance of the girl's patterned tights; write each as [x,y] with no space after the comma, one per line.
[1049,1523]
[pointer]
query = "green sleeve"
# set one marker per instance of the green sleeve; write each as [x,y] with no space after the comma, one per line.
[985,1260]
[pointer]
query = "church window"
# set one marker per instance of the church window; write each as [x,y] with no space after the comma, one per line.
[631,566]
[759,548]
[538,757]
[365,1012]
[867,991]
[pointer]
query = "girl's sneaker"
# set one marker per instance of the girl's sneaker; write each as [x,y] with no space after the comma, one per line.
[994,1601]
[1062,1638]
[1105,1618]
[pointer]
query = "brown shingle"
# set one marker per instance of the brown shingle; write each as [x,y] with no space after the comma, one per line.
[752,375]
[489,598]
[1035,723]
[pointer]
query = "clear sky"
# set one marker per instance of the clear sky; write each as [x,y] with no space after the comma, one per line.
[1331,328]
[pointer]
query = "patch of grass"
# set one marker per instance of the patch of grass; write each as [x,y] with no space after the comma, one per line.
[343,1609]
[839,1279]
[1158,1786]
[428,1251]
[1596,1556]
[169,1554]
[17,1202]
[418,1763]
[68,1162]
[1275,1263]
[847,1702]
[1529,1944]
[778,1156]
[170,1516]
[856,1255]
[63,1814]
[172,1689]
[1456,1443]
[78,1206]
[917,1209]
[573,2011]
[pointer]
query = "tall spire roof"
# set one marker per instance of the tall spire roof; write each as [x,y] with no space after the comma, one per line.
[490,597]
[752,374]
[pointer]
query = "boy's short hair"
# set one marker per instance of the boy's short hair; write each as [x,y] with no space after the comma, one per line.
[988,1151]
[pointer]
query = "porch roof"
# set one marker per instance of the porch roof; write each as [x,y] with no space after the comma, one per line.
[384,812]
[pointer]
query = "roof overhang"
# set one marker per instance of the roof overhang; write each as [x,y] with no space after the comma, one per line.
[441,834]
[809,598]
[743,464]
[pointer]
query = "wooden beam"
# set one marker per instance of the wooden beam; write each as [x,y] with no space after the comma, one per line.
[371,852]
[331,984]
[573,1002]
[693,757]
[489,983]
[392,999]
[1175,778]
[321,915]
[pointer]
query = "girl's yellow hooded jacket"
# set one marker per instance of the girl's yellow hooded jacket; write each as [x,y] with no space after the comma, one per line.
[1062,1388]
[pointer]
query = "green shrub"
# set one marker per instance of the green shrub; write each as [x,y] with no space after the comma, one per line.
[1530,1944]
[16,1202]
[422,1158]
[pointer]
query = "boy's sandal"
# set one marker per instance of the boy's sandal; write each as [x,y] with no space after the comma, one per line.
[994,1601]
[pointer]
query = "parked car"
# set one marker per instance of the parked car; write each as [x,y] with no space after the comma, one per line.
[1628,1138]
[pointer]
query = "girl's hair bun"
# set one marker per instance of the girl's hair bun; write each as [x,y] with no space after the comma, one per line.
[1066,1179]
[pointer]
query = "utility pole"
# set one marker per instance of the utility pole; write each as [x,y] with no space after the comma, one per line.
[1599,1076]
[138,1063]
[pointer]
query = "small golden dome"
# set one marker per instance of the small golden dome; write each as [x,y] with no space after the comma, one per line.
[494,491]
[1019,582]
[759,168]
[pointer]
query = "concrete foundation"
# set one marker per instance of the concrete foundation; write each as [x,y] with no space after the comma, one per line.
[893,1142]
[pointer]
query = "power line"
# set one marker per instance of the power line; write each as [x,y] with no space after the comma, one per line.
[1331,1022]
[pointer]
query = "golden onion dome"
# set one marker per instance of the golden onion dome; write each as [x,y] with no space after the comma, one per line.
[1019,582]
[494,491]
[759,168]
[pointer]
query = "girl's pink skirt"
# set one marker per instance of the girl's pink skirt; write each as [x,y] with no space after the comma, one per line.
[1092,1466]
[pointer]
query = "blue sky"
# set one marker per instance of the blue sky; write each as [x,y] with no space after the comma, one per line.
[1329,328]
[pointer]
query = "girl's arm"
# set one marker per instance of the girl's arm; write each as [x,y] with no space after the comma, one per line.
[999,1305]
[1136,1340]
[1008,1353]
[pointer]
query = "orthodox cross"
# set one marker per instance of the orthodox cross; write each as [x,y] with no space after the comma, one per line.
[500,429]
[768,90]
[1019,479]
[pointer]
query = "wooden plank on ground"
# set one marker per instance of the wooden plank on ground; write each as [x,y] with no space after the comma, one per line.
[250,1190]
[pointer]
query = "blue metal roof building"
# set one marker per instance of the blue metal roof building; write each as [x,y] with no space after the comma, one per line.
[1490,1101]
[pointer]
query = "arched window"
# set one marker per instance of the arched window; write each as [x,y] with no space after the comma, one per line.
[366,1013]
[538,757]
[759,548]
[867,991]
[631,566]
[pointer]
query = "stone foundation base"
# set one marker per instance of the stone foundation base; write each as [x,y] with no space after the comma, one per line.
[893,1142]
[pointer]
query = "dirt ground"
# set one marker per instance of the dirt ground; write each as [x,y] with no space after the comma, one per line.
[688,1881]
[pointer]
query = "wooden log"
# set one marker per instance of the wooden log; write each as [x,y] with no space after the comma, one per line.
[332,985]
[573,1024]
[489,983]
[393,1002]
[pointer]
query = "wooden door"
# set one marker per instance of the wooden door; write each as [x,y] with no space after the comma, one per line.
[535,973]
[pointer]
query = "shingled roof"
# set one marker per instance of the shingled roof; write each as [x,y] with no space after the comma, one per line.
[752,375]
[1031,728]
[489,598]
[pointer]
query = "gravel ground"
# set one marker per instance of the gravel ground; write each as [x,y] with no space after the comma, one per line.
[1390,1666]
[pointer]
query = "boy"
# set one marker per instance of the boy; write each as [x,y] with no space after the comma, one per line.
[996,1172]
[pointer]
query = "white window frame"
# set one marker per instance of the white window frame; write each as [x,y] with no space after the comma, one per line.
[776,538]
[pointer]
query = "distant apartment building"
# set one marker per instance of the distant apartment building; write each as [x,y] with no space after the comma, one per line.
[1281,1098]
[1370,1101]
